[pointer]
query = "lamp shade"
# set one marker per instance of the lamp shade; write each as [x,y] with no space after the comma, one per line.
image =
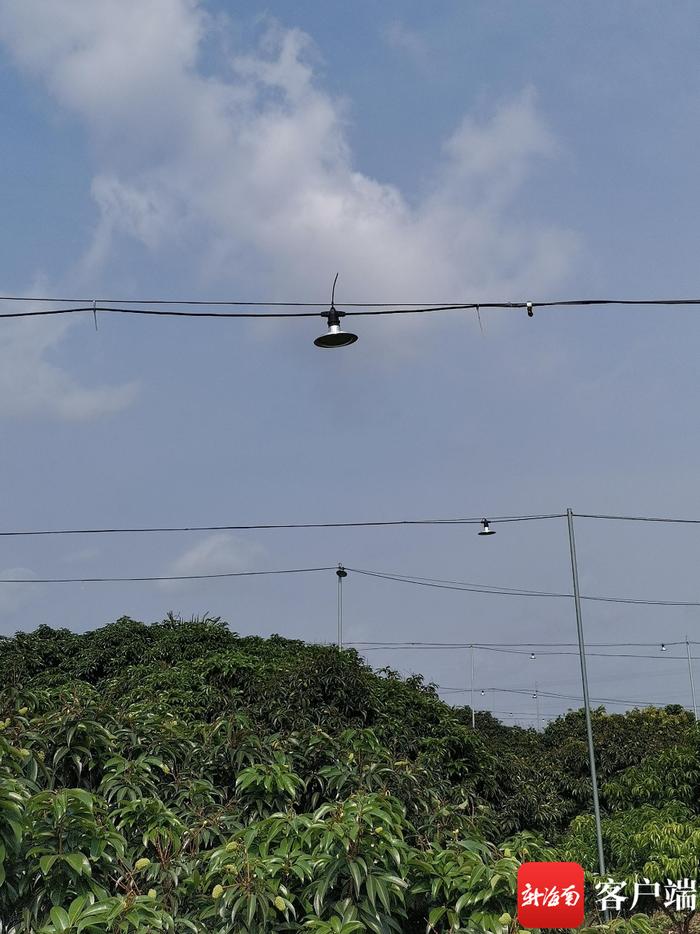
[335,336]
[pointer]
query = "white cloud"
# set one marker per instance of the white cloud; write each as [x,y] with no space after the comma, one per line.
[256,162]
[218,553]
[30,384]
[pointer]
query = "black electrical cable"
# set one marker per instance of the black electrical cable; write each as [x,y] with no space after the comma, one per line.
[548,694]
[663,519]
[157,312]
[512,592]
[459,585]
[662,655]
[370,308]
[470,520]
[50,311]
[510,645]
[665,656]
[271,526]
[100,302]
[175,577]
[160,301]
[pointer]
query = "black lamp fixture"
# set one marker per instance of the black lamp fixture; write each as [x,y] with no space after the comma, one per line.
[486,530]
[335,336]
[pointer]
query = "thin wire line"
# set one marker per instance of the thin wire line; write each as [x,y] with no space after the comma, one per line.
[376,648]
[176,577]
[479,645]
[271,526]
[550,694]
[459,585]
[594,700]
[472,520]
[507,713]
[666,519]
[429,306]
[663,655]
[231,303]
[163,301]
[161,313]
[373,308]
[51,311]
[512,592]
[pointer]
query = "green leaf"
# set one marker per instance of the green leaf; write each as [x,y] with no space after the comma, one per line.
[46,862]
[76,906]
[59,918]
[78,862]
[357,878]
[252,905]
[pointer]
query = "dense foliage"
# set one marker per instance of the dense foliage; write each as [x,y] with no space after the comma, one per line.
[177,777]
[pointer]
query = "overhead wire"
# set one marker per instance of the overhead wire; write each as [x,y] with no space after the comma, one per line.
[356,308]
[271,526]
[468,587]
[671,520]
[427,582]
[480,645]
[549,694]
[547,654]
[379,523]
[170,577]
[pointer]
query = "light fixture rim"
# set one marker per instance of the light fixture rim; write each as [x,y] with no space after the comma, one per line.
[335,338]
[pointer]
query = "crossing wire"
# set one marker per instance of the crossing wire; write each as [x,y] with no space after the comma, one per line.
[467,587]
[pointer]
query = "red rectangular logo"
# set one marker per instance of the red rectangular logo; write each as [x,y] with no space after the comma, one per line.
[550,895]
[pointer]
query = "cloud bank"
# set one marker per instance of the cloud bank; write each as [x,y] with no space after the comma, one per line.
[219,553]
[31,384]
[253,161]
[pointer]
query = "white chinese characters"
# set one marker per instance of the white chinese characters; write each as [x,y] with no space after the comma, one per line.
[680,895]
[549,897]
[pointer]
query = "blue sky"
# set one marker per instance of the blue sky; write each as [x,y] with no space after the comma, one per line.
[451,152]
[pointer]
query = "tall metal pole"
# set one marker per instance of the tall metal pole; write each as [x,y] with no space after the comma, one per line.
[690,672]
[341,572]
[537,704]
[586,699]
[471,649]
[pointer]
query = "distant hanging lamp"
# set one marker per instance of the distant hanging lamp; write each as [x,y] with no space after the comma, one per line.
[341,573]
[663,647]
[486,530]
[335,336]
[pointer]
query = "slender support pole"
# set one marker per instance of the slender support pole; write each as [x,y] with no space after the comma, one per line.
[341,572]
[692,682]
[586,699]
[471,649]
[537,705]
